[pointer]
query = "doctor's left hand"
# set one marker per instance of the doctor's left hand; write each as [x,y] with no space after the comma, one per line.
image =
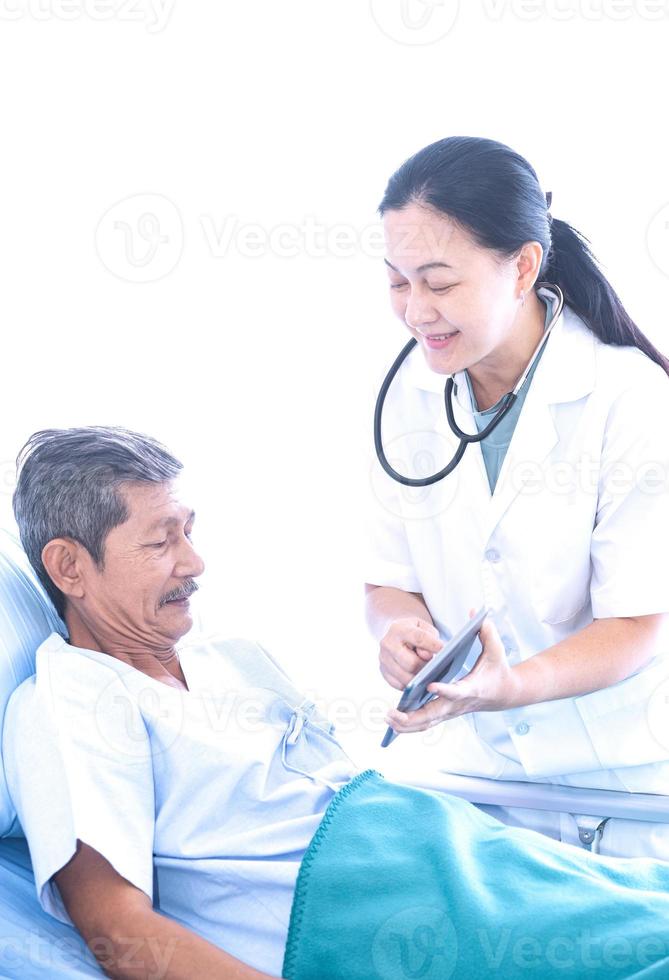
[489,686]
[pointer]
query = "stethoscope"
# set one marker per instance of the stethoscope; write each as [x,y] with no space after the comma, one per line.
[464,437]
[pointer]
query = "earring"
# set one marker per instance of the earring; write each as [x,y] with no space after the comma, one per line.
[522,299]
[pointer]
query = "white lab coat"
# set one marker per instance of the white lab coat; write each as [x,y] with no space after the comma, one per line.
[577,529]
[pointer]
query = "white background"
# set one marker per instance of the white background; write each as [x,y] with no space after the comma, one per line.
[256,139]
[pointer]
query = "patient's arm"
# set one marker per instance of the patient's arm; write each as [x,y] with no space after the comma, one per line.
[127,937]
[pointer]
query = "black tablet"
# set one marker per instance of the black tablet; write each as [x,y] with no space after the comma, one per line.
[443,667]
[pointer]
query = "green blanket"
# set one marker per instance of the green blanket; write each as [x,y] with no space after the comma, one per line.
[403,883]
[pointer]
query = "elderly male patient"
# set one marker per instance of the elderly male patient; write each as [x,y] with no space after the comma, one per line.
[183,841]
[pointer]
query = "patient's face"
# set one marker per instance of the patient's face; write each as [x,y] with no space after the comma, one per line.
[140,597]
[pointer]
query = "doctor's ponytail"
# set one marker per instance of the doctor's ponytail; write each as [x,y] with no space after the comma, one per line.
[572,266]
[494,193]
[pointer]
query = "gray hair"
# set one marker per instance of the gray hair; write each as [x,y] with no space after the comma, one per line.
[68,487]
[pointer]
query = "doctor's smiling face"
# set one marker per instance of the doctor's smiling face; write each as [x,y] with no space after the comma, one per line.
[462,302]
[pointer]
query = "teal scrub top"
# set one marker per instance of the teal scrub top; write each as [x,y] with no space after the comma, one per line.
[494,447]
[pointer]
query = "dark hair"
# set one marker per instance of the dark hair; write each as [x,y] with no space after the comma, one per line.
[494,194]
[68,486]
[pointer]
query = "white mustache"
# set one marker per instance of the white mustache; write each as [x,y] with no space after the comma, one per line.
[183,593]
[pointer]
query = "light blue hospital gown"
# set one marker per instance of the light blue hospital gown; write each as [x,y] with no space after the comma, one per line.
[205,799]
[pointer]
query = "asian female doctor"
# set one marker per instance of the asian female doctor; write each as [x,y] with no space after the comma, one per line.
[558,519]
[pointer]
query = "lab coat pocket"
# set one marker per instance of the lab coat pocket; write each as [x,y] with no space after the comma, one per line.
[628,722]
[563,605]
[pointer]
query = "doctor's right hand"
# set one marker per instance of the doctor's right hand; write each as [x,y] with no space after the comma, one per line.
[406,647]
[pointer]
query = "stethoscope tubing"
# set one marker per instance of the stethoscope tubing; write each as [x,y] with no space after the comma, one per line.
[464,437]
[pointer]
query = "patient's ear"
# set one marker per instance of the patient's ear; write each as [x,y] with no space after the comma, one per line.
[62,559]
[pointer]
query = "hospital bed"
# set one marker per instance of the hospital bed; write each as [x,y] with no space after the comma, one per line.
[35,945]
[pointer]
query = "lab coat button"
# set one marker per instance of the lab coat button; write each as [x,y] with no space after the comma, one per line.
[492,554]
[522,728]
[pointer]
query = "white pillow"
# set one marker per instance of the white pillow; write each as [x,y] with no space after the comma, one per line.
[27,617]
